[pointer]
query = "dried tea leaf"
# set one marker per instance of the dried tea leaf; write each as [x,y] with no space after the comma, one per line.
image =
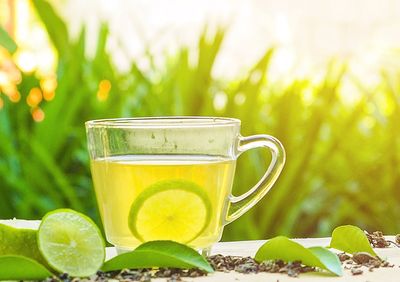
[363,258]
[377,240]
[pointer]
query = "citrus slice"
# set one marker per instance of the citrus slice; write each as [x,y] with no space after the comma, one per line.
[177,210]
[71,243]
[18,237]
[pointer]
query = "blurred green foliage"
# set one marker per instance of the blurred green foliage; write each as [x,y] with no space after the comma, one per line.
[342,161]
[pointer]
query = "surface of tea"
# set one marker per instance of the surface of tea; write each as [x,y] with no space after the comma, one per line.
[180,198]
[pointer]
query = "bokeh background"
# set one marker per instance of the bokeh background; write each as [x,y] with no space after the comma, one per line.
[322,76]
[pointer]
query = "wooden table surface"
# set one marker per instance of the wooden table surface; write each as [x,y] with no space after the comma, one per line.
[249,248]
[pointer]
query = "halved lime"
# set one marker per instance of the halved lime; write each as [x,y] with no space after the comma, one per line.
[177,210]
[71,242]
[18,237]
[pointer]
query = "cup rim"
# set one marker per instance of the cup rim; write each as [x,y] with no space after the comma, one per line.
[163,122]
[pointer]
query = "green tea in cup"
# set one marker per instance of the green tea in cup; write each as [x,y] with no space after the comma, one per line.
[170,178]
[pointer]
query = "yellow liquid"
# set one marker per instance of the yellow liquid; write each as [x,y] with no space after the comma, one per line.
[119,180]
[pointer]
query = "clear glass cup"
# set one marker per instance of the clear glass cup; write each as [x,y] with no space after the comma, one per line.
[170,178]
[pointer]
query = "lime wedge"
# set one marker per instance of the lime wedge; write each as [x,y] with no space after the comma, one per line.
[177,210]
[18,237]
[71,243]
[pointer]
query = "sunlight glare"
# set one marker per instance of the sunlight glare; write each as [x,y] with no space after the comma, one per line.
[220,101]
[15,97]
[38,114]
[34,97]
[26,61]
[104,90]
[282,29]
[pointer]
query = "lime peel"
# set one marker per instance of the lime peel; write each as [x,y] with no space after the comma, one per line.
[15,240]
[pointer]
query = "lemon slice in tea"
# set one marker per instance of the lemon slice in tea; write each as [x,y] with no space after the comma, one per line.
[177,210]
[71,242]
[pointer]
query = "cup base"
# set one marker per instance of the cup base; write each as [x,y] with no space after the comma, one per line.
[205,252]
[121,250]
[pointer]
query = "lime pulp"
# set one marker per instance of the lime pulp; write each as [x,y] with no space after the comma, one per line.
[177,210]
[71,243]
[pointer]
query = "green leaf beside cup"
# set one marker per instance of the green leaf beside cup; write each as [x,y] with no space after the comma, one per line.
[159,254]
[287,250]
[351,239]
[22,268]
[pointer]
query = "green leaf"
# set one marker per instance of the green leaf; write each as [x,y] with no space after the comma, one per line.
[159,254]
[329,259]
[350,239]
[287,250]
[22,268]
[6,41]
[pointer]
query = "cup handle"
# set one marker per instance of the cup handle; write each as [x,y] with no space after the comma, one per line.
[241,204]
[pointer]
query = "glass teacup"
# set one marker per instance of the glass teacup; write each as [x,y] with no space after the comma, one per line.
[170,178]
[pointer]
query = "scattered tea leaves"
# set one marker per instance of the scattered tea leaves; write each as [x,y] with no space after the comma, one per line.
[350,239]
[356,271]
[249,265]
[377,240]
[343,257]
[159,254]
[363,258]
[287,250]
[397,239]
[21,268]
[229,263]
